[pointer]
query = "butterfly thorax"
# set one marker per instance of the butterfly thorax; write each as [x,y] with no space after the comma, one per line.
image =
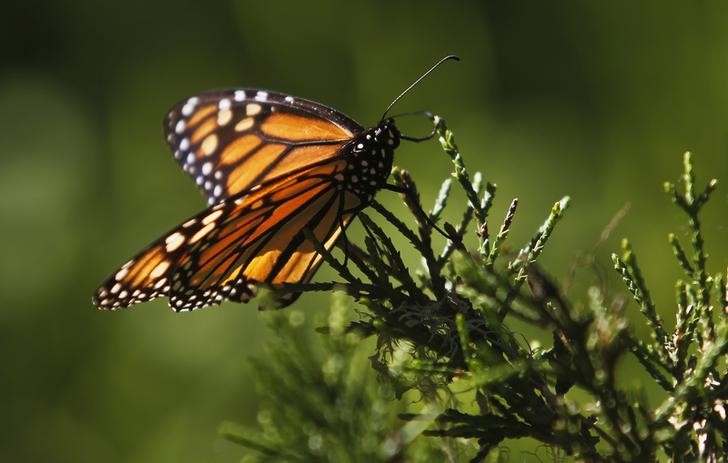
[369,160]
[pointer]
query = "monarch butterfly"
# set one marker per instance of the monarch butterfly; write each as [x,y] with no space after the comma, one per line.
[272,167]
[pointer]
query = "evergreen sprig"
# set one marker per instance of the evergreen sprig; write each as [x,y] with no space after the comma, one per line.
[451,379]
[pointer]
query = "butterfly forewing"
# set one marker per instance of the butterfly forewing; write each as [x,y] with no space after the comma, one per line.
[230,141]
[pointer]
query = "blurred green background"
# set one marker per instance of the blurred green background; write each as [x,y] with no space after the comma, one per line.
[597,100]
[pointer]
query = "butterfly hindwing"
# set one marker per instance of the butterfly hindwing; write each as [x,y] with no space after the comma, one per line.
[230,141]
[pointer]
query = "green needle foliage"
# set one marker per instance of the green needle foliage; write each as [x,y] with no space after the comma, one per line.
[322,401]
[433,369]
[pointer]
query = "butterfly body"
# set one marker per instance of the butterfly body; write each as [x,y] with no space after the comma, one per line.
[272,168]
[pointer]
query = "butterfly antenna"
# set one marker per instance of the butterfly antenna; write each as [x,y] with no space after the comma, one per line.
[435,66]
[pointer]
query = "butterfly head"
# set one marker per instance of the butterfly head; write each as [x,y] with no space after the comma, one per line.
[386,133]
[378,141]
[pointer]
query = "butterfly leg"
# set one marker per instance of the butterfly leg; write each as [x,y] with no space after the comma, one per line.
[345,246]
[372,236]
[342,225]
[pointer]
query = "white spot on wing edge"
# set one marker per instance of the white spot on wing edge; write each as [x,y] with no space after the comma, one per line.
[181,126]
[224,104]
[174,241]
[202,232]
[121,274]
[159,269]
[261,95]
[289,99]
[209,218]
[189,106]
[239,95]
